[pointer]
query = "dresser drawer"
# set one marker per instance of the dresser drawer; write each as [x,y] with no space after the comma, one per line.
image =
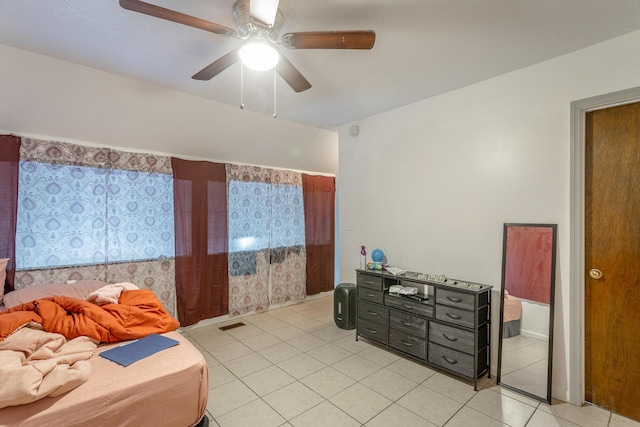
[370,295]
[455,315]
[369,281]
[455,299]
[373,312]
[372,330]
[408,323]
[423,309]
[455,338]
[451,359]
[408,343]
[457,361]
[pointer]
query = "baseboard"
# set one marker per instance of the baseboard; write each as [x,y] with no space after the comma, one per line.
[535,335]
[224,318]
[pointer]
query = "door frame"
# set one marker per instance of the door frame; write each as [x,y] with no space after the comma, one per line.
[579,110]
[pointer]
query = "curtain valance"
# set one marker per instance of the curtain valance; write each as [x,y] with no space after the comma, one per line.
[97,157]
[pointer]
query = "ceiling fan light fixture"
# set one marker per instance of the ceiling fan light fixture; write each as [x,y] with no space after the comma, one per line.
[258,55]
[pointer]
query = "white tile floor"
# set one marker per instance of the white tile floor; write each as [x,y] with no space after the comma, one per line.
[294,367]
[524,364]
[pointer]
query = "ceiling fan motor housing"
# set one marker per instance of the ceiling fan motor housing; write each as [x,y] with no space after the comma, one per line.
[249,27]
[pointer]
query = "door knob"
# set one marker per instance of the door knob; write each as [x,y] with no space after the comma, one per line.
[594,273]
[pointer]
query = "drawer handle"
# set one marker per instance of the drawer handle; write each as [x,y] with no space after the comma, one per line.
[452,299]
[450,339]
[407,323]
[407,343]
[454,316]
[408,307]
[369,295]
[373,331]
[373,313]
[450,361]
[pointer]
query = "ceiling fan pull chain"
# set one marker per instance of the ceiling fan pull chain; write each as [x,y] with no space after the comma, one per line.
[241,86]
[275,113]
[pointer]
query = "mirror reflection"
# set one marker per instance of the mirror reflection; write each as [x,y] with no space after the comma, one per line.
[526,324]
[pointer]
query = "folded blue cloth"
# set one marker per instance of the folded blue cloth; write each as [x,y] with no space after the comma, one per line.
[127,354]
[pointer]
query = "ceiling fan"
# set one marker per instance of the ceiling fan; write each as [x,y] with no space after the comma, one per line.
[258,25]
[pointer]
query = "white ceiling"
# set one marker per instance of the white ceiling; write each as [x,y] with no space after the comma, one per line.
[423,47]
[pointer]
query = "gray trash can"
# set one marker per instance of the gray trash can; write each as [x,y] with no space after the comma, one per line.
[344,305]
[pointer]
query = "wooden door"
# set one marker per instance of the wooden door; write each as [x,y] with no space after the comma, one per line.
[612,246]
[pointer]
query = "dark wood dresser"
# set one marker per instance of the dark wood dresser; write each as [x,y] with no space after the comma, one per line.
[446,326]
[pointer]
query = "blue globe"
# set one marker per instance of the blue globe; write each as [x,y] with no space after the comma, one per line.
[377,255]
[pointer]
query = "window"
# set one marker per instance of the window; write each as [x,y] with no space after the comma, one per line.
[139,216]
[264,215]
[72,215]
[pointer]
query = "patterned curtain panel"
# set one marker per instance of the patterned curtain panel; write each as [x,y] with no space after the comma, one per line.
[288,271]
[9,158]
[41,276]
[267,256]
[288,276]
[95,213]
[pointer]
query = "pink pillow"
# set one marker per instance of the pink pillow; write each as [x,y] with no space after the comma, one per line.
[3,275]
[80,290]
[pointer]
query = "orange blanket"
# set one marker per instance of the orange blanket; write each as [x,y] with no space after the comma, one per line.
[137,314]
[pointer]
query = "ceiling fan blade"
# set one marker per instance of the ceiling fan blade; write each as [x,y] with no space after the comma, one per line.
[330,40]
[291,75]
[174,16]
[216,67]
[264,10]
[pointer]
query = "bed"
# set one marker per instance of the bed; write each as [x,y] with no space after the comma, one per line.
[168,388]
[512,316]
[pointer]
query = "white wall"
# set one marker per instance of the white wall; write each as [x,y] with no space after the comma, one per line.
[535,320]
[433,182]
[58,100]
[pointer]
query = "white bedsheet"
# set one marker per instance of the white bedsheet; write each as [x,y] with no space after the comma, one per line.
[35,364]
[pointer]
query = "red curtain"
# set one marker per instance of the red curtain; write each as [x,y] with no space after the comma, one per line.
[9,160]
[319,219]
[201,233]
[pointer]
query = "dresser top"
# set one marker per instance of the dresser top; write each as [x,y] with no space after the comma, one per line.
[430,279]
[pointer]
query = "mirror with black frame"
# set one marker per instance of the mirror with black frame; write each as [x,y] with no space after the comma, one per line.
[526,309]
